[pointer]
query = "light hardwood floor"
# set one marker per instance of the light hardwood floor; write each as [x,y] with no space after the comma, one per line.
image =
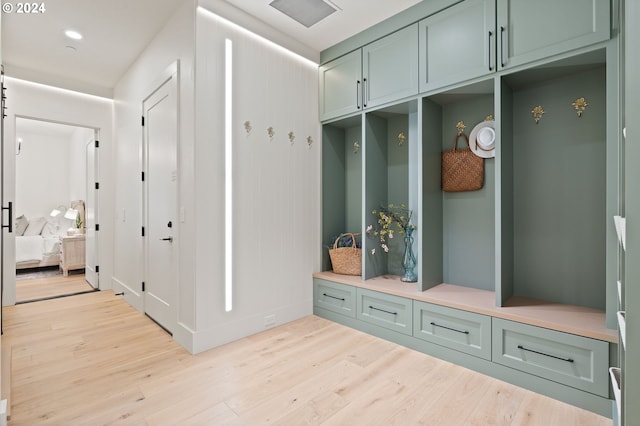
[39,288]
[93,360]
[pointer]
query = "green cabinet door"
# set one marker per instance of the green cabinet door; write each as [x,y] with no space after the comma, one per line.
[390,67]
[530,30]
[457,44]
[340,86]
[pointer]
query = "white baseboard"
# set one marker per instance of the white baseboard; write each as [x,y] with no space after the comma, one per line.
[228,332]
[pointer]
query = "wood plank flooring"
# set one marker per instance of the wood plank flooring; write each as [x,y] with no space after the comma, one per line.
[59,285]
[92,360]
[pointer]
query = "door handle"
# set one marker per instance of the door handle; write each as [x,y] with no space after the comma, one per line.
[170,239]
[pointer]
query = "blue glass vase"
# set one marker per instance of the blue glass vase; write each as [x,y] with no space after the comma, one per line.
[409,259]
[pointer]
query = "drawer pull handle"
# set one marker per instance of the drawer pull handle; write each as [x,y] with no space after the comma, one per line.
[449,328]
[542,353]
[382,310]
[333,297]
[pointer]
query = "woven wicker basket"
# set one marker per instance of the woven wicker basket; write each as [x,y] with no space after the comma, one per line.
[346,260]
[462,170]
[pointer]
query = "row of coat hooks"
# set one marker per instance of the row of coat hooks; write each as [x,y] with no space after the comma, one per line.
[579,106]
[248,128]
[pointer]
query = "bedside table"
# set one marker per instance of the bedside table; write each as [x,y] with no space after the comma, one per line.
[71,253]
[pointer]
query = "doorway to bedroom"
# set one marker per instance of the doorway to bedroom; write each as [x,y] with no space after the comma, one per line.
[54,208]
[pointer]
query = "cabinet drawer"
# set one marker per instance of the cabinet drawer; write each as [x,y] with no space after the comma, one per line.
[339,298]
[572,360]
[385,310]
[463,331]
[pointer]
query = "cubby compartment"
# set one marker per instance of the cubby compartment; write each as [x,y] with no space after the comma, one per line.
[554,166]
[341,180]
[390,177]
[458,228]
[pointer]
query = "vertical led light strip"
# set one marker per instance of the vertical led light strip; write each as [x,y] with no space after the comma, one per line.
[228,175]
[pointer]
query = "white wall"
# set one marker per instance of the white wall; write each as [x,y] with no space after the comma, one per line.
[29,100]
[276,189]
[50,171]
[42,174]
[174,43]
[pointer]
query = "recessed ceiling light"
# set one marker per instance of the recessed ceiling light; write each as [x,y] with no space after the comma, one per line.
[73,35]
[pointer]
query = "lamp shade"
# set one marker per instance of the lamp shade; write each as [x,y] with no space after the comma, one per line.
[71,214]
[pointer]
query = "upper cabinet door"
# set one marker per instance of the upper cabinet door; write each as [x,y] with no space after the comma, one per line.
[457,44]
[341,86]
[527,31]
[390,67]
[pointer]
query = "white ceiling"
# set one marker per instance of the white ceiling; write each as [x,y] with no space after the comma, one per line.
[35,48]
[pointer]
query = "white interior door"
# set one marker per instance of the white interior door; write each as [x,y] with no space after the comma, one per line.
[91,209]
[160,196]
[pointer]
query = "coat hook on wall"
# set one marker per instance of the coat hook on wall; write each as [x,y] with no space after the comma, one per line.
[460,126]
[356,147]
[401,138]
[292,137]
[270,132]
[537,113]
[247,127]
[580,105]
[309,141]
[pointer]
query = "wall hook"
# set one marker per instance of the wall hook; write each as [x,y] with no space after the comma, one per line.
[309,141]
[580,105]
[292,137]
[270,132]
[460,126]
[401,138]
[356,147]
[247,127]
[537,113]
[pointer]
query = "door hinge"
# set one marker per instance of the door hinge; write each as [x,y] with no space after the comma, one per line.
[143,231]
[143,286]
[143,120]
[97,144]
[97,269]
[97,185]
[97,227]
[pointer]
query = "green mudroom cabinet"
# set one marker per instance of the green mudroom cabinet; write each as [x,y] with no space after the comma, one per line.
[531,259]
[382,71]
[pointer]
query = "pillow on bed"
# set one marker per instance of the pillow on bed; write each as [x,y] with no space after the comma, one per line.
[21,224]
[50,229]
[35,226]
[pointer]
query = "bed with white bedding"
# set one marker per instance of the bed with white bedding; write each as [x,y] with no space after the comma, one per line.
[38,240]
[36,251]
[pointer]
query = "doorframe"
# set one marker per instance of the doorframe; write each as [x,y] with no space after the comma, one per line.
[171,72]
[8,241]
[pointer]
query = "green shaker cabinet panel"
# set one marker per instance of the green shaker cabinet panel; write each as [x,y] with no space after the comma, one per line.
[335,297]
[457,44]
[572,360]
[340,86]
[385,310]
[390,67]
[528,31]
[460,330]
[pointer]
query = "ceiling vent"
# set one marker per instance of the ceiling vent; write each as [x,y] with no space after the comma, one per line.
[306,12]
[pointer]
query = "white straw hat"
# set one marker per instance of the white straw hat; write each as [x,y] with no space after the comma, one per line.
[482,139]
